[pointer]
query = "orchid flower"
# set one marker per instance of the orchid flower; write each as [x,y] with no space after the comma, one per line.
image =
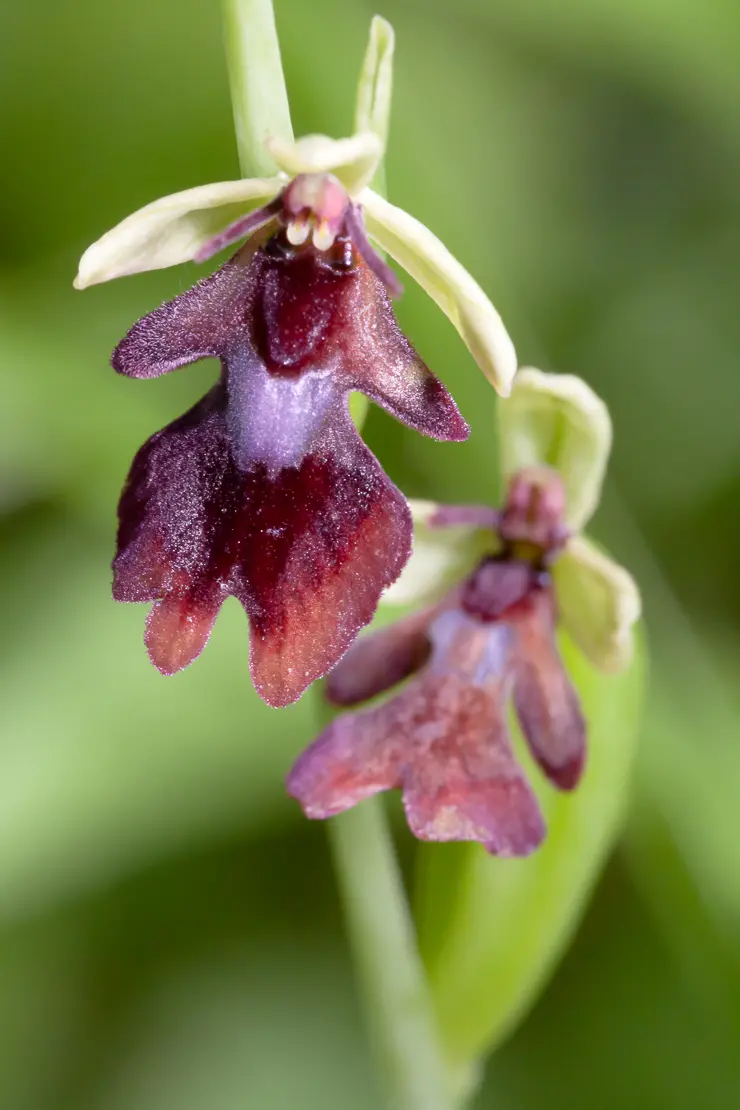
[493,587]
[264,490]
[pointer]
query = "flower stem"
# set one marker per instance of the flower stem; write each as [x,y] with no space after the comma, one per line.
[258,92]
[392,978]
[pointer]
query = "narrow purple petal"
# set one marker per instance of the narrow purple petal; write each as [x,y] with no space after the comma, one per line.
[239,229]
[547,704]
[473,516]
[380,660]
[368,254]
[371,354]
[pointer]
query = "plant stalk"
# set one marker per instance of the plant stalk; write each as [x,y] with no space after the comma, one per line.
[382,937]
[392,979]
[258,93]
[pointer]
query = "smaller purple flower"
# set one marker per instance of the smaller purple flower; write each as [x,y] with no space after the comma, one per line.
[491,590]
[444,739]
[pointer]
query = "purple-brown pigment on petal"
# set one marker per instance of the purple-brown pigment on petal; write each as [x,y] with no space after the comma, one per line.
[264,490]
[495,586]
[366,251]
[350,325]
[177,630]
[546,701]
[200,323]
[242,227]
[472,516]
[317,581]
[443,740]
[377,661]
[306,548]
[532,518]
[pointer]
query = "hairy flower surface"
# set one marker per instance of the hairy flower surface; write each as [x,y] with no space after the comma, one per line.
[264,490]
[490,586]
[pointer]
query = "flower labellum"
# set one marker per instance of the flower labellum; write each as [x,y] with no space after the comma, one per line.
[443,740]
[264,490]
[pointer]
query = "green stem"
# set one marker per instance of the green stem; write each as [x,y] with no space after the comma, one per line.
[392,978]
[382,936]
[257,83]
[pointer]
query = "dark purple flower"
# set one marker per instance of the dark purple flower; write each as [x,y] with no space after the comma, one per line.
[264,490]
[444,740]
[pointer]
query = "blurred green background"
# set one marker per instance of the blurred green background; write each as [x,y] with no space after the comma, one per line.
[169,933]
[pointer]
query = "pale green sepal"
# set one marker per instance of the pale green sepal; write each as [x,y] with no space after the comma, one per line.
[441,558]
[172,229]
[492,930]
[448,283]
[353,161]
[557,420]
[375,87]
[598,604]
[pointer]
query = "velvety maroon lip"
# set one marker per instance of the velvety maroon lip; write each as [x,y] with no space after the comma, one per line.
[264,490]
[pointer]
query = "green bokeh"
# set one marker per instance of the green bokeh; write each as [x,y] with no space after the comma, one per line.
[169,935]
